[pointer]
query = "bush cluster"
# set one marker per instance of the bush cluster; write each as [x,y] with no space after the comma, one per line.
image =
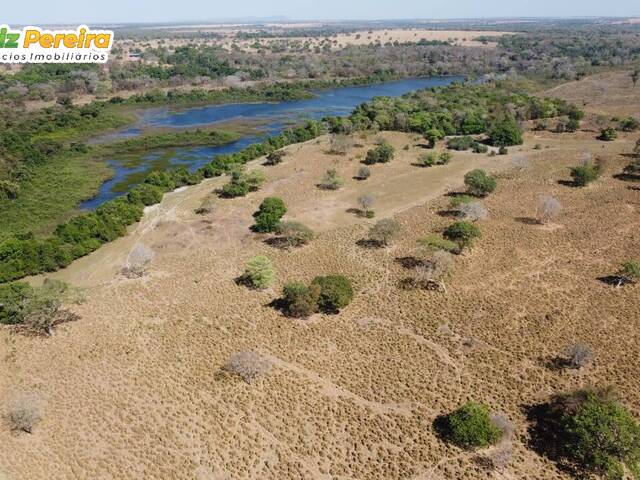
[269,214]
[479,183]
[328,294]
[470,426]
[383,153]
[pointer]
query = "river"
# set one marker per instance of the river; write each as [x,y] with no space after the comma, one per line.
[273,118]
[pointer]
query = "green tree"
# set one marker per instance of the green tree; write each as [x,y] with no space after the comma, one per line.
[268,216]
[300,300]
[259,273]
[470,426]
[432,136]
[584,174]
[600,434]
[479,183]
[505,132]
[463,233]
[336,292]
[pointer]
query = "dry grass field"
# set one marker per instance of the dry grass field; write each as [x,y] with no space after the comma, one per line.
[134,388]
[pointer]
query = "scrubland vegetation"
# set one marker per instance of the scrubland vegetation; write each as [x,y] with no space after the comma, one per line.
[465,337]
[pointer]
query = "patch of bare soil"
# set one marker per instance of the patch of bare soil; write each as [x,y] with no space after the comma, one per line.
[134,389]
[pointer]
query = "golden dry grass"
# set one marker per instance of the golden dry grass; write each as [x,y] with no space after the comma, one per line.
[133,390]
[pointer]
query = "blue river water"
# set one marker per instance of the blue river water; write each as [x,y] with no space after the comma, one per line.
[273,118]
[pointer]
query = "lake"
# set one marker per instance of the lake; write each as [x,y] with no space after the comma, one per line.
[273,118]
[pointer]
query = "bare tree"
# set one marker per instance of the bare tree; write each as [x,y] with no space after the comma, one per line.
[365,202]
[548,209]
[473,211]
[501,456]
[578,355]
[247,365]
[339,144]
[501,421]
[520,161]
[25,412]
[384,231]
[432,274]
[138,261]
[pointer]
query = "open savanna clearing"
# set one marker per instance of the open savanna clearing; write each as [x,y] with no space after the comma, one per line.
[134,388]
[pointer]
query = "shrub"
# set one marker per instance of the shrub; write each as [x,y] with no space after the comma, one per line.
[479,183]
[294,234]
[505,132]
[9,190]
[331,180]
[629,124]
[336,292]
[427,159]
[629,272]
[300,300]
[584,174]
[268,216]
[205,207]
[138,261]
[459,200]
[598,433]
[463,233]
[363,173]
[275,157]
[249,366]
[470,426]
[242,183]
[383,153]
[480,148]
[461,143]
[435,243]
[25,412]
[145,194]
[384,231]
[444,158]
[578,355]
[234,189]
[633,169]
[259,273]
[473,212]
[14,298]
[548,209]
[503,151]
[608,134]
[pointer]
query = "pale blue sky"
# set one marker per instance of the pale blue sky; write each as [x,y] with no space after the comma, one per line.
[75,11]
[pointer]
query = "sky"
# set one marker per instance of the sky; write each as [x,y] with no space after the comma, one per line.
[140,11]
